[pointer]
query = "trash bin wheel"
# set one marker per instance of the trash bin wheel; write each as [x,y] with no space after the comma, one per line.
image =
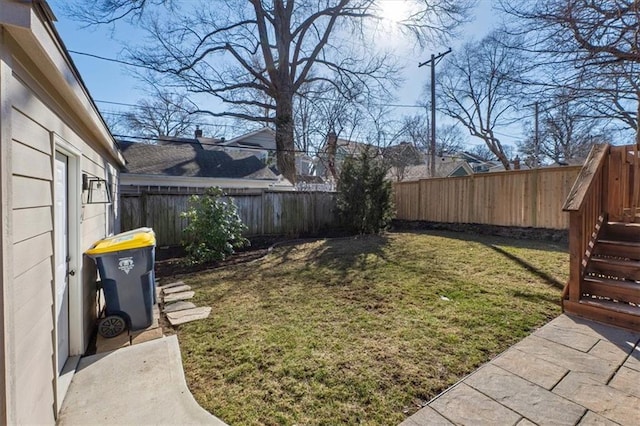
[111,326]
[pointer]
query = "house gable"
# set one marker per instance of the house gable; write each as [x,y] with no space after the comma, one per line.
[262,138]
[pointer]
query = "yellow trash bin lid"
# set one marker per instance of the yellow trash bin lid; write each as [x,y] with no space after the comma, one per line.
[134,239]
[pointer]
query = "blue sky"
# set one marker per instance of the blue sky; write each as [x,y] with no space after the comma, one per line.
[110,82]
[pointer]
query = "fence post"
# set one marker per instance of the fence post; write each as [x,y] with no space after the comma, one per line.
[534,202]
[262,215]
[419,200]
[145,210]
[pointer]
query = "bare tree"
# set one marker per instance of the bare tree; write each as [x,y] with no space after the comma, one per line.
[449,138]
[590,46]
[566,132]
[165,114]
[240,52]
[477,88]
[401,156]
[321,108]
[482,152]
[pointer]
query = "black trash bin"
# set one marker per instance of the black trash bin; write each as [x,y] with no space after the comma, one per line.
[125,263]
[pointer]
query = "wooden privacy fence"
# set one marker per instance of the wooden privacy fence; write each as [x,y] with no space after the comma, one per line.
[525,198]
[264,213]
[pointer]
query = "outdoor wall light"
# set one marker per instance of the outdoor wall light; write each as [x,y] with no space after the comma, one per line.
[98,189]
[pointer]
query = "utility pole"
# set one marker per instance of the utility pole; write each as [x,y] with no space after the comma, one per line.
[432,143]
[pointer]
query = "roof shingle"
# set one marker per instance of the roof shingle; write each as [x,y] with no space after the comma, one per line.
[187,160]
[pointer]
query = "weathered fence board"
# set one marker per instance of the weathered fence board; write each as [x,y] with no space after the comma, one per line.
[264,213]
[525,198]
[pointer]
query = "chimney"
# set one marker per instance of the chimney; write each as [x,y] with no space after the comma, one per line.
[516,163]
[198,132]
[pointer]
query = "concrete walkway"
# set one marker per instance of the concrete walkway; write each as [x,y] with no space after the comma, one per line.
[569,372]
[140,384]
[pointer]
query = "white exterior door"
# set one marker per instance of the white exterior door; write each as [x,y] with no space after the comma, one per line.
[61,230]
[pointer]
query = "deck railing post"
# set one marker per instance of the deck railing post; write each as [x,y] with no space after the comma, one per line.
[576,254]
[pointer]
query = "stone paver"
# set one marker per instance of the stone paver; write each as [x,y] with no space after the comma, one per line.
[627,380]
[633,361]
[610,351]
[531,401]
[593,419]
[568,337]
[571,371]
[566,357]
[529,367]
[183,295]
[173,284]
[613,334]
[605,400]
[178,306]
[176,289]
[426,417]
[465,405]
[188,315]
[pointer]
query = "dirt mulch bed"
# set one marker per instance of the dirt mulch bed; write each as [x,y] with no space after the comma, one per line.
[171,261]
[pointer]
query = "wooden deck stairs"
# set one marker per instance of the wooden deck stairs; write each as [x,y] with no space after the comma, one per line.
[604,238]
[611,282]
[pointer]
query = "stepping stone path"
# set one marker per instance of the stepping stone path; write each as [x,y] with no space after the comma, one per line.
[180,311]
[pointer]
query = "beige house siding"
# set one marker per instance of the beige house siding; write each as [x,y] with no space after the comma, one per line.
[44,108]
[33,317]
[32,151]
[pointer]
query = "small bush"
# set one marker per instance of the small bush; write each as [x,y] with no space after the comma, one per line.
[364,201]
[214,230]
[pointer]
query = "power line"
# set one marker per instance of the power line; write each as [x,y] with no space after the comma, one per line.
[103,58]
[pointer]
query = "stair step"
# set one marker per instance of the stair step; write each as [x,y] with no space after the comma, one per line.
[619,314]
[620,231]
[622,290]
[625,269]
[626,249]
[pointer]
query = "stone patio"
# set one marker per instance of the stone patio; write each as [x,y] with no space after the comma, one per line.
[570,372]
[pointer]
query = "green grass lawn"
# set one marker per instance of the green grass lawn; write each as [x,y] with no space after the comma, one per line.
[362,330]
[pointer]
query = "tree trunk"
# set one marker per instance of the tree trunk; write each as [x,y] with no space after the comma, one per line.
[495,147]
[504,160]
[285,147]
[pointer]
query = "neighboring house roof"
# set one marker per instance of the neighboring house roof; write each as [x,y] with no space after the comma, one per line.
[472,158]
[404,153]
[443,169]
[261,138]
[191,161]
[197,143]
[347,147]
[210,143]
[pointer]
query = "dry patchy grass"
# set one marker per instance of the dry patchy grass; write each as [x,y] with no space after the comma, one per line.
[358,330]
